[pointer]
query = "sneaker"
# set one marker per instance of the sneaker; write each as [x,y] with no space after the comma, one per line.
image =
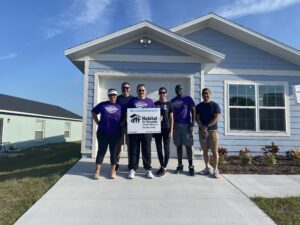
[149,174]
[206,171]
[117,167]
[216,173]
[158,172]
[191,170]
[97,175]
[113,175]
[179,169]
[131,174]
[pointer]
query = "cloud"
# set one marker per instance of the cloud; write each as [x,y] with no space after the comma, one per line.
[9,56]
[241,8]
[143,10]
[78,15]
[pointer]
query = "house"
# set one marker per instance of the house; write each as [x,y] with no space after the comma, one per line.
[25,123]
[255,79]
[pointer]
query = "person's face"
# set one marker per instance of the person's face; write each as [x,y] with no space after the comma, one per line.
[112,98]
[206,96]
[125,89]
[163,94]
[141,92]
[179,91]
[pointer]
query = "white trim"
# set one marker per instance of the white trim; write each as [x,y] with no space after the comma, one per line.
[146,29]
[109,74]
[296,90]
[38,115]
[145,58]
[221,71]
[202,80]
[85,98]
[257,132]
[96,100]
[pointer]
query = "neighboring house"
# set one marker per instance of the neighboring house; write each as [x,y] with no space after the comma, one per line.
[25,123]
[255,79]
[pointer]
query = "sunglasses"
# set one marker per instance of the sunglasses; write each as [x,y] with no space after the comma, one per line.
[162,92]
[141,90]
[125,88]
[113,95]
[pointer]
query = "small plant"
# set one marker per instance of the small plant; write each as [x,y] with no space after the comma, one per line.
[245,157]
[294,154]
[273,149]
[270,159]
[270,151]
[222,155]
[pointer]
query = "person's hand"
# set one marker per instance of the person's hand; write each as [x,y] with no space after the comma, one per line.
[204,131]
[171,134]
[191,129]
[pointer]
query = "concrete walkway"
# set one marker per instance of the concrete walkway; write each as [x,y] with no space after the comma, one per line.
[172,199]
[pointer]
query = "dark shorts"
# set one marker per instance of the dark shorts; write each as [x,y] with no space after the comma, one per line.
[182,135]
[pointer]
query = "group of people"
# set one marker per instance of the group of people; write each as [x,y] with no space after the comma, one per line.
[178,117]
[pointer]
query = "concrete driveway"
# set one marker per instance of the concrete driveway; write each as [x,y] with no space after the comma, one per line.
[172,199]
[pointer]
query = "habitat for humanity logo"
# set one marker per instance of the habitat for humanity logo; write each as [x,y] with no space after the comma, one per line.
[135,118]
[111,109]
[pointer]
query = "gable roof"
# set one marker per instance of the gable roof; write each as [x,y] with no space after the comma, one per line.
[241,33]
[15,105]
[138,31]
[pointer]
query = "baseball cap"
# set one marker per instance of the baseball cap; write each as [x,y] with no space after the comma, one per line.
[112,92]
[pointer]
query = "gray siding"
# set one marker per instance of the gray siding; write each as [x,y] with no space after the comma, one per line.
[136,48]
[89,119]
[239,55]
[255,143]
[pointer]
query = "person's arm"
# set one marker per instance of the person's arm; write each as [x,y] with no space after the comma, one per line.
[171,124]
[95,117]
[202,128]
[214,120]
[193,119]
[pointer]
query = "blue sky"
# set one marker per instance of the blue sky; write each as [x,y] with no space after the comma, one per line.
[35,33]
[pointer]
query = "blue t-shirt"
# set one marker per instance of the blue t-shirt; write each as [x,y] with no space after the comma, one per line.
[207,113]
[136,102]
[110,119]
[182,109]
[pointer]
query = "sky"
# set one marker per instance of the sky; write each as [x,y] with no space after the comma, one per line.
[35,33]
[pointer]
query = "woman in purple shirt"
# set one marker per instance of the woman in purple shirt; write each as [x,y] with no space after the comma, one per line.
[109,130]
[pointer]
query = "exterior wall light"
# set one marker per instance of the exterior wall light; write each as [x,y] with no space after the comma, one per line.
[145,42]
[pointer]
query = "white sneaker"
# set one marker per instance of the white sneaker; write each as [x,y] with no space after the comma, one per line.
[216,173]
[131,174]
[149,174]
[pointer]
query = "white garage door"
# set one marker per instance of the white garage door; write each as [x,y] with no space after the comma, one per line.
[152,85]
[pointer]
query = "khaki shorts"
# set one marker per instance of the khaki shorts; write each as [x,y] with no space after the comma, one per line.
[212,141]
[182,135]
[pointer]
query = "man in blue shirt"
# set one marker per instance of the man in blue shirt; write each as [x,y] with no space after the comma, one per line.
[207,115]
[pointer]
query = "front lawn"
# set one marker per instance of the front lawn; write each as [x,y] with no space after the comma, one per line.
[26,177]
[284,211]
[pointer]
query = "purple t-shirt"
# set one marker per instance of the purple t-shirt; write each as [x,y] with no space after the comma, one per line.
[182,109]
[136,102]
[110,120]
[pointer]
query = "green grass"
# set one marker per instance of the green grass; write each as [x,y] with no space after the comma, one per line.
[284,211]
[26,177]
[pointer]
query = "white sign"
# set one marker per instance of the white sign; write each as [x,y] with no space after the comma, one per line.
[143,120]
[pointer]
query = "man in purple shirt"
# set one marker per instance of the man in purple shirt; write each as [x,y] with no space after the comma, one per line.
[135,140]
[109,130]
[184,120]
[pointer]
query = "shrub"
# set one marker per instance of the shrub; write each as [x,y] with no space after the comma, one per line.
[270,149]
[270,159]
[245,157]
[222,155]
[294,154]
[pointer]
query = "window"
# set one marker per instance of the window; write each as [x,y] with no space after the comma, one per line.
[256,107]
[67,129]
[39,130]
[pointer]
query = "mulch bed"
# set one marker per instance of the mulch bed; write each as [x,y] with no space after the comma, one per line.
[284,166]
